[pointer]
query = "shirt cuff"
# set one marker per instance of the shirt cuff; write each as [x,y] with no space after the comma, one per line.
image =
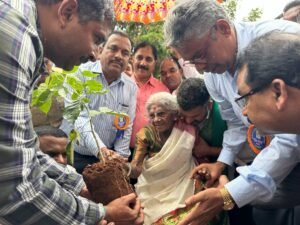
[226,157]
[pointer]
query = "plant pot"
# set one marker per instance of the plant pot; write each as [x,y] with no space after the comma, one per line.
[106,181]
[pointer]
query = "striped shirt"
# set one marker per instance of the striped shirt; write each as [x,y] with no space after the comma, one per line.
[121,98]
[34,189]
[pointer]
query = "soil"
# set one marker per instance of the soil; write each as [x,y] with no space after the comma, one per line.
[106,181]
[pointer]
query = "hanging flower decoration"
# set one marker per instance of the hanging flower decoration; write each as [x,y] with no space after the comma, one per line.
[143,11]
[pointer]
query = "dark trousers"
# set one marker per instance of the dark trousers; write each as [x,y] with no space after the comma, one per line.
[81,161]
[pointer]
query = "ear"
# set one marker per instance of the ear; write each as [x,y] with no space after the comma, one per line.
[67,11]
[223,27]
[280,93]
[209,104]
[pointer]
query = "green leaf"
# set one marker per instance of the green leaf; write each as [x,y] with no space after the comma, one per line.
[111,112]
[70,153]
[72,111]
[87,73]
[47,104]
[76,84]
[93,86]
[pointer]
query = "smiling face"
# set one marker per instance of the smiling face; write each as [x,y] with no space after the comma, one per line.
[143,64]
[162,119]
[115,56]
[170,74]
[215,52]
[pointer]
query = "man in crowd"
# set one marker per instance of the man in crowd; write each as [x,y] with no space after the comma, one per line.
[66,32]
[170,74]
[144,61]
[53,142]
[202,33]
[121,97]
[198,109]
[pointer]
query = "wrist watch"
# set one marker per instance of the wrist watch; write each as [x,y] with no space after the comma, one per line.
[227,199]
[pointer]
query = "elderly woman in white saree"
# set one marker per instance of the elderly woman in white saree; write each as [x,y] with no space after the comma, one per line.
[163,162]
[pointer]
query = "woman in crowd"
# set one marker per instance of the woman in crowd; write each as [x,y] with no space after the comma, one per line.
[163,162]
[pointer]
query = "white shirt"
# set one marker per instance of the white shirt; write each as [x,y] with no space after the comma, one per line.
[120,98]
[258,181]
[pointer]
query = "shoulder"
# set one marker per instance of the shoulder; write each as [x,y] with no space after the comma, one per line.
[128,81]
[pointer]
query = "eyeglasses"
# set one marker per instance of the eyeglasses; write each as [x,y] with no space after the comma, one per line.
[202,59]
[242,101]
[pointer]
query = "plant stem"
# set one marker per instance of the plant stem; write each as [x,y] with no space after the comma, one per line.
[94,134]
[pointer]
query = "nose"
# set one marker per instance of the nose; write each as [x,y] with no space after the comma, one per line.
[61,159]
[93,56]
[188,120]
[244,111]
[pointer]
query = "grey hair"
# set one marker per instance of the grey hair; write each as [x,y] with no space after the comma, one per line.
[189,18]
[90,10]
[163,99]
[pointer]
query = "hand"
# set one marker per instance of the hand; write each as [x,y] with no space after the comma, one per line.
[201,148]
[104,222]
[110,154]
[85,193]
[209,204]
[125,210]
[208,172]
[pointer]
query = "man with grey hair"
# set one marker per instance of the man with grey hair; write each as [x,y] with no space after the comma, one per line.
[202,33]
[34,188]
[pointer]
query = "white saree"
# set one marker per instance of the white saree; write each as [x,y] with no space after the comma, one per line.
[165,181]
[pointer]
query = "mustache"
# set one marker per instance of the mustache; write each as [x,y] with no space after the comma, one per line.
[143,67]
[117,62]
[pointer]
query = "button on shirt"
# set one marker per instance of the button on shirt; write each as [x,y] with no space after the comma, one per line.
[121,97]
[273,164]
[33,187]
[144,91]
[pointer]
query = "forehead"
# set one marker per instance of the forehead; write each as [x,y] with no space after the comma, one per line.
[191,47]
[157,108]
[168,63]
[197,111]
[145,51]
[119,40]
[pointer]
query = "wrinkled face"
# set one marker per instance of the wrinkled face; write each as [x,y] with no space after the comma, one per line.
[162,119]
[115,55]
[143,63]
[55,147]
[213,52]
[77,43]
[195,116]
[170,74]
[258,107]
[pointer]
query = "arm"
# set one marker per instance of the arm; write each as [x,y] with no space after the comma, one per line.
[139,154]
[24,185]
[121,145]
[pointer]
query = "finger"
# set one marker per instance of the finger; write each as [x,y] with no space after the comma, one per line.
[196,169]
[197,198]
[140,219]
[190,217]
[130,198]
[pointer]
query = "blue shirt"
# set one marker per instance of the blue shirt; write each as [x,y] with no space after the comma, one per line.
[273,164]
[121,98]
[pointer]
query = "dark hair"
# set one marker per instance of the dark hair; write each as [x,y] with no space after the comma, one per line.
[49,130]
[91,10]
[271,56]
[171,59]
[119,33]
[192,93]
[291,5]
[145,44]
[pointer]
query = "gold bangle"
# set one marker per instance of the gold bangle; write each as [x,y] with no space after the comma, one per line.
[227,199]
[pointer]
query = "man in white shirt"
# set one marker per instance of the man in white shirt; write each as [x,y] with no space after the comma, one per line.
[202,33]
